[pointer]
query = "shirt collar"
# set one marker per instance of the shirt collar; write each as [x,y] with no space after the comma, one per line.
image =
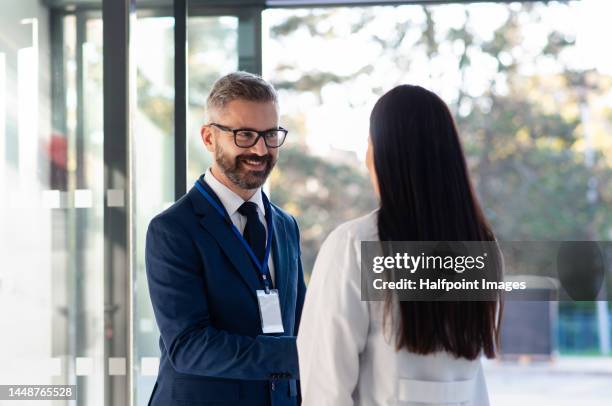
[230,200]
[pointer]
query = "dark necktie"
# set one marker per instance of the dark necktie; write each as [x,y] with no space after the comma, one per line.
[254,231]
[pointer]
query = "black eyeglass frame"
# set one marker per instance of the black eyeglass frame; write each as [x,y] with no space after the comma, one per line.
[260,134]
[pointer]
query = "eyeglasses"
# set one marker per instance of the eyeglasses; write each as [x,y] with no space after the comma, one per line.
[246,138]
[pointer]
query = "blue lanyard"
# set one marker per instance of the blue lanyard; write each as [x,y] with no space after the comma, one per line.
[261,266]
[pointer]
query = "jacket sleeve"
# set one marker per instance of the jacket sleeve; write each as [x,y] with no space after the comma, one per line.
[334,325]
[301,289]
[179,301]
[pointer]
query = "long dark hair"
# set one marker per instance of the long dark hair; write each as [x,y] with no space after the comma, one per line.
[426,195]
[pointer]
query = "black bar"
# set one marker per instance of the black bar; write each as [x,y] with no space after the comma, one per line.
[249,40]
[81,39]
[117,175]
[58,177]
[79,217]
[180,98]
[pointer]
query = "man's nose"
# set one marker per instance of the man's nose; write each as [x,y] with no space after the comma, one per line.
[260,147]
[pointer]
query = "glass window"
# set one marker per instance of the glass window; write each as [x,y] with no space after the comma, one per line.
[530,90]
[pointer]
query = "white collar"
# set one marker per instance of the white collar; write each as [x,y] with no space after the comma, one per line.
[230,200]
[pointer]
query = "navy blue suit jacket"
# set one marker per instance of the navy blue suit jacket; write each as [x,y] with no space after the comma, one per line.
[203,286]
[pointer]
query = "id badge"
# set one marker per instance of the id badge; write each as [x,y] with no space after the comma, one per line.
[269,310]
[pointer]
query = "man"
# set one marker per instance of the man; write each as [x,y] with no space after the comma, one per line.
[223,265]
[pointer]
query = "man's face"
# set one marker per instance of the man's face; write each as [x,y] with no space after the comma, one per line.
[246,168]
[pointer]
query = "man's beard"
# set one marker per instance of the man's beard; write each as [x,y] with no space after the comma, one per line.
[236,171]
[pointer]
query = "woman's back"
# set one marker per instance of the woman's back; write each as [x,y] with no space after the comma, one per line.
[365,352]
[345,356]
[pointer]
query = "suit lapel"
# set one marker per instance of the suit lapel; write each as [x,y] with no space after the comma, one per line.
[233,249]
[219,228]
[280,257]
[221,231]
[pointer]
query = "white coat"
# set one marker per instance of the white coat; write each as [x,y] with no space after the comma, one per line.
[345,359]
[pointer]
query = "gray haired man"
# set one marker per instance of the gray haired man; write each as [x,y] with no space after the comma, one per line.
[223,265]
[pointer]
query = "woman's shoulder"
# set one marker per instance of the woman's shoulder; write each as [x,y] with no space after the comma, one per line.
[363,228]
[342,248]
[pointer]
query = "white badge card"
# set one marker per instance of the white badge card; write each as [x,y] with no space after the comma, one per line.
[269,310]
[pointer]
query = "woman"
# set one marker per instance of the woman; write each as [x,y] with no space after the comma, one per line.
[354,352]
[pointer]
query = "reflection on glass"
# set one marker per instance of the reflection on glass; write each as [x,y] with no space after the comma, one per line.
[51,200]
[25,227]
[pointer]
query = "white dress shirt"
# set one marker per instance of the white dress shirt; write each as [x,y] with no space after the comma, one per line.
[232,202]
[345,356]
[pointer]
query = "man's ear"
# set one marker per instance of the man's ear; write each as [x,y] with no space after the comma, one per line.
[207,137]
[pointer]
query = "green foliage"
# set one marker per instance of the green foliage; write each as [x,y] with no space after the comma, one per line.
[320,193]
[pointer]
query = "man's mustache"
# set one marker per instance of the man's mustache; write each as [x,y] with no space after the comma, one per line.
[256,158]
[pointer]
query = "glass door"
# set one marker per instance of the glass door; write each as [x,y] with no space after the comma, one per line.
[52,199]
